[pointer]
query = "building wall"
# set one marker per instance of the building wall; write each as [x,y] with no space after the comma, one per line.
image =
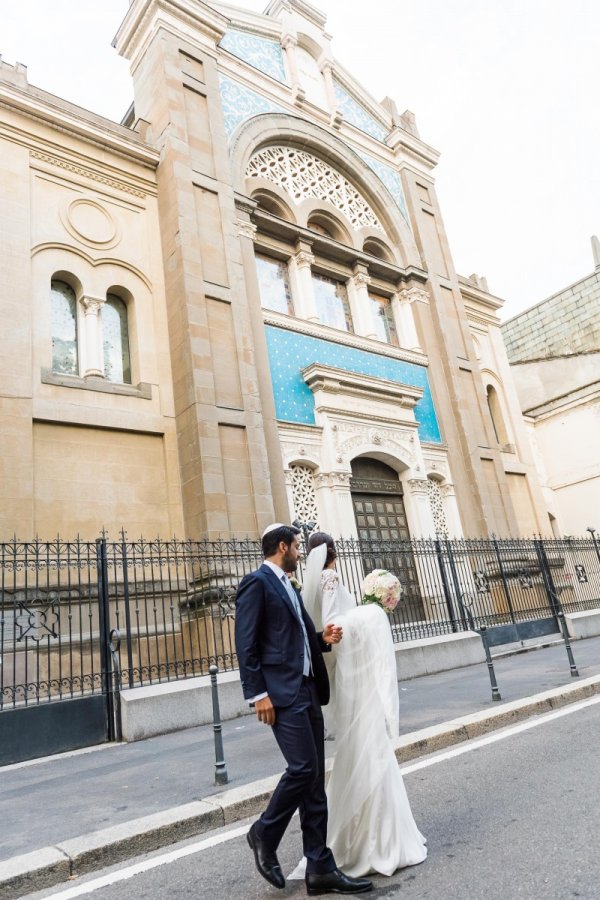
[566,323]
[209,440]
[79,452]
[554,351]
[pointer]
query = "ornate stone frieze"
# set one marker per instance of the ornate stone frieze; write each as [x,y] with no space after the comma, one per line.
[418,486]
[86,173]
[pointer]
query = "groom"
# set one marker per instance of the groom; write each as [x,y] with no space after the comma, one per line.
[283,674]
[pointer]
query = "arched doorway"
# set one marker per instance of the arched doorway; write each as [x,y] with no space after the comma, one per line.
[378,500]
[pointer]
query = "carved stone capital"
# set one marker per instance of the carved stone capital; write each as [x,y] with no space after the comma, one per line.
[447,490]
[304,259]
[92,305]
[246,229]
[417,486]
[289,41]
[360,280]
[412,295]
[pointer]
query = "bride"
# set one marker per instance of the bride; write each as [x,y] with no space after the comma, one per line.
[371,827]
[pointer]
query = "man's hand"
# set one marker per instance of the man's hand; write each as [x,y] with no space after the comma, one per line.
[332,634]
[265,711]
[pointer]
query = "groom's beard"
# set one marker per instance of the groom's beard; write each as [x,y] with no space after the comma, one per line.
[289,563]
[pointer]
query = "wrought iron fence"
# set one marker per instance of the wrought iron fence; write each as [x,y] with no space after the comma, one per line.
[166,608]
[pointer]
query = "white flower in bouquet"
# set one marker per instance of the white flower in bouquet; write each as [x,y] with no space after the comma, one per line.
[383,588]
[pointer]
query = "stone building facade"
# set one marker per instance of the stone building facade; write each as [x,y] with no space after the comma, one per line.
[240,304]
[554,352]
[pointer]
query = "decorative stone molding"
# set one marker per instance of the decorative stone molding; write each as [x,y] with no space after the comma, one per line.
[315,329]
[86,173]
[382,439]
[304,259]
[361,280]
[418,486]
[246,229]
[333,479]
[413,295]
[319,377]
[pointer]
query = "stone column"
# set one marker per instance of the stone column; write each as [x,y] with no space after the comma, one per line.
[405,321]
[360,303]
[301,274]
[93,361]
[289,44]
[448,492]
[327,73]
[421,525]
[345,521]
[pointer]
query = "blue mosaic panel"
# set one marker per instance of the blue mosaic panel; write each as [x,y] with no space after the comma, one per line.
[240,103]
[259,52]
[391,179]
[290,352]
[356,114]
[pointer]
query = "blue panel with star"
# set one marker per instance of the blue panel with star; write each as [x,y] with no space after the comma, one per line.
[290,352]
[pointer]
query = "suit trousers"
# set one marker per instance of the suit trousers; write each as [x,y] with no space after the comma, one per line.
[299,731]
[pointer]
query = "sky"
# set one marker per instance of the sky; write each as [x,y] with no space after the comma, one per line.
[506,90]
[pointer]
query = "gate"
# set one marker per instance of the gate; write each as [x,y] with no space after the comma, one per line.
[58,689]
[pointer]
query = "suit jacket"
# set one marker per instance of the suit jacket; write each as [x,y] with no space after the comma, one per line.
[270,643]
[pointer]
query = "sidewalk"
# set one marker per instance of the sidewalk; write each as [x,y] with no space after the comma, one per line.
[45,803]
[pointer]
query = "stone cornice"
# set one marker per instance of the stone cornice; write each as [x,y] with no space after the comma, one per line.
[334,336]
[331,380]
[64,117]
[184,17]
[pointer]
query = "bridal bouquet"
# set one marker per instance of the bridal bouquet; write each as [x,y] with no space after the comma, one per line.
[383,588]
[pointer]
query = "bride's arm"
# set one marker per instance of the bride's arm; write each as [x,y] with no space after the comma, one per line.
[330,607]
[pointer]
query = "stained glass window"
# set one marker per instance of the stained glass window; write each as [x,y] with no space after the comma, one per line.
[274,285]
[64,329]
[383,319]
[115,340]
[331,299]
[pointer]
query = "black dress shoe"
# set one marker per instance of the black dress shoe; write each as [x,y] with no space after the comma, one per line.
[266,860]
[336,883]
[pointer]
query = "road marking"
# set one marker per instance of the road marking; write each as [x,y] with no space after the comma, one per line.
[57,756]
[166,858]
[509,731]
[148,864]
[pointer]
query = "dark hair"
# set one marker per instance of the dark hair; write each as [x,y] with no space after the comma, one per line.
[320,537]
[272,539]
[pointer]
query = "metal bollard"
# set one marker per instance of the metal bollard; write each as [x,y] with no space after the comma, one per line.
[221,776]
[490,663]
[565,633]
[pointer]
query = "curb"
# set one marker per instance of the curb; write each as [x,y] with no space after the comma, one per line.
[50,866]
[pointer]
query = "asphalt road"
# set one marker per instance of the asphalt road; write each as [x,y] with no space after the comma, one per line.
[513,815]
[121,782]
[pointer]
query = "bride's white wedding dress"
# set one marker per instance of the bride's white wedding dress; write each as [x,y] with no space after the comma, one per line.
[371,827]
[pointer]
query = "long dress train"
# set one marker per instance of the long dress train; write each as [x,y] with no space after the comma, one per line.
[371,827]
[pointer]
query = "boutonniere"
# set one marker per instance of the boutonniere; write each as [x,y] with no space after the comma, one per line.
[295,584]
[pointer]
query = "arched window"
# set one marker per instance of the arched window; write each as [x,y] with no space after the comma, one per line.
[64,329]
[496,415]
[115,340]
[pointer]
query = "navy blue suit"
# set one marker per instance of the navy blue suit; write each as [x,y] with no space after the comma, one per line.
[270,649]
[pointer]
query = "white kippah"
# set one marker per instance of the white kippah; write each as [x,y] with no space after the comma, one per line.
[273,527]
